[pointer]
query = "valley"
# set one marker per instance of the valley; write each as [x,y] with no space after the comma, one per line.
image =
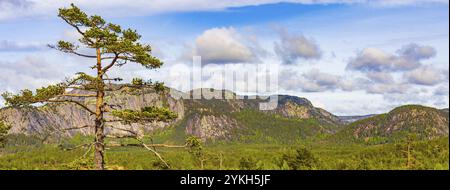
[234,134]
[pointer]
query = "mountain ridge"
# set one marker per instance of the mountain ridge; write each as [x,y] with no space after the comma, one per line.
[423,122]
[236,118]
[208,119]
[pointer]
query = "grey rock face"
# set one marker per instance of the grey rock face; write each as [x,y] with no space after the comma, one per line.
[206,118]
[211,127]
[55,117]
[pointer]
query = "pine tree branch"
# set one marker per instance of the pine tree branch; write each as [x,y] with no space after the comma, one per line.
[66,129]
[78,30]
[82,55]
[72,101]
[72,51]
[120,129]
[79,95]
[106,68]
[157,154]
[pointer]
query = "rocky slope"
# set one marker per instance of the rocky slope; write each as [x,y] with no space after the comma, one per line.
[214,119]
[217,118]
[53,117]
[424,122]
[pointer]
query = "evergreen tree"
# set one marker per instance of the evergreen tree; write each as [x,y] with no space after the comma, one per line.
[113,47]
[4,128]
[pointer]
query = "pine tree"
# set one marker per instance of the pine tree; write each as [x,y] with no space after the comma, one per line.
[3,132]
[113,47]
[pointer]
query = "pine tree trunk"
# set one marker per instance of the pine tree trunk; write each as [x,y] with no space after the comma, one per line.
[99,122]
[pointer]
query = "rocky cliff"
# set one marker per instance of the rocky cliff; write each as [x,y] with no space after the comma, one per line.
[206,118]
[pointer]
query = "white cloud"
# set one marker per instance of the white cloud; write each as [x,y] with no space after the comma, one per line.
[6,45]
[425,75]
[442,91]
[294,47]
[376,60]
[394,88]
[31,72]
[119,8]
[407,2]
[222,45]
[311,81]
[380,77]
[417,52]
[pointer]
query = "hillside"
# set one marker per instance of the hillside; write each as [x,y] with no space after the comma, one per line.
[424,122]
[353,118]
[235,119]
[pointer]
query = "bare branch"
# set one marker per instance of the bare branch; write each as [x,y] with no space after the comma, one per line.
[80,87]
[121,129]
[152,145]
[88,150]
[157,154]
[79,95]
[72,101]
[82,55]
[119,57]
[66,129]
[113,79]
[106,68]
[72,51]
[121,137]
[78,29]
[75,128]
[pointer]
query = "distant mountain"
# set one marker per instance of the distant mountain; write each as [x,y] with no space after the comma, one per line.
[424,122]
[351,119]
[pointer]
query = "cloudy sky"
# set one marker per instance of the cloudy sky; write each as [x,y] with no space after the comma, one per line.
[349,57]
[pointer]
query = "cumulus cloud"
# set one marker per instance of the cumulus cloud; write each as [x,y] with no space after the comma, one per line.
[352,84]
[375,60]
[394,88]
[294,47]
[311,81]
[380,77]
[380,68]
[416,52]
[30,72]
[222,45]
[403,98]
[321,78]
[425,75]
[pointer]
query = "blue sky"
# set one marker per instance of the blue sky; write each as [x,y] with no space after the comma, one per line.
[349,58]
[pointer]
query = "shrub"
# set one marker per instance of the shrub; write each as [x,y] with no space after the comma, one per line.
[4,128]
[247,163]
[137,82]
[301,159]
